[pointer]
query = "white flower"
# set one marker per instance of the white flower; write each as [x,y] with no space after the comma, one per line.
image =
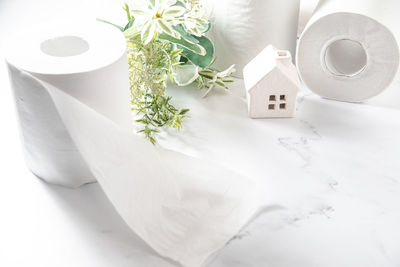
[195,22]
[160,17]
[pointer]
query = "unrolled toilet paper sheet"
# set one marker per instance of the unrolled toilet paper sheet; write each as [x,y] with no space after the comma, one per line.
[186,209]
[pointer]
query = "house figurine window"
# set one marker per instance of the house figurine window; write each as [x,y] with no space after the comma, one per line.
[275,104]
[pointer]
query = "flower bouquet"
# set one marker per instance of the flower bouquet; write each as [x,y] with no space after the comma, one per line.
[166,42]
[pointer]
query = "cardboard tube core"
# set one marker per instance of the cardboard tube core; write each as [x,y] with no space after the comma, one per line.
[64,46]
[345,57]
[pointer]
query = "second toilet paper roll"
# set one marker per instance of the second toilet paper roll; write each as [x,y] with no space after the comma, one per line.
[186,209]
[349,50]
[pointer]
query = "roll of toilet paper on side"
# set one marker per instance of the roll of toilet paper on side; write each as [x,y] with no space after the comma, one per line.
[349,50]
[82,62]
[241,29]
[186,209]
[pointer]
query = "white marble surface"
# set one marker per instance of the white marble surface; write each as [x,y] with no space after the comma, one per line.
[331,178]
[331,181]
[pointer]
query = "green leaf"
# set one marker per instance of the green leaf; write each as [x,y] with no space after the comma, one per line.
[206,28]
[202,61]
[183,59]
[179,28]
[129,24]
[208,90]
[194,48]
[183,111]
[132,32]
[221,84]
[115,25]
[179,3]
[227,72]
[175,53]
[127,11]
[186,74]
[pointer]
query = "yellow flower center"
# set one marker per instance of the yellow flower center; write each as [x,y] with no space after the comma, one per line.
[158,15]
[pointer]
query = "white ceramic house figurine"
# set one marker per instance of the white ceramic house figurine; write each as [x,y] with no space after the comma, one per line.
[272,84]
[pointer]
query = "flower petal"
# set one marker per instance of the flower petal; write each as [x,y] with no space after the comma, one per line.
[166,27]
[141,12]
[174,11]
[148,32]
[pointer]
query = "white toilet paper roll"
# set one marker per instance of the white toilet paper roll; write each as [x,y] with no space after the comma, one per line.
[241,29]
[307,8]
[349,50]
[81,61]
[186,209]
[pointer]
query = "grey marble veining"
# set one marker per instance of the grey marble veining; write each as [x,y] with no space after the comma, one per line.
[331,179]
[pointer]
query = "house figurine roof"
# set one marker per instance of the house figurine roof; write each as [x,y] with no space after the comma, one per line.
[272,84]
[265,62]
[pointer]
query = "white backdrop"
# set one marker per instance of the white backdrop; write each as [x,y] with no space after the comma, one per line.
[47,226]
